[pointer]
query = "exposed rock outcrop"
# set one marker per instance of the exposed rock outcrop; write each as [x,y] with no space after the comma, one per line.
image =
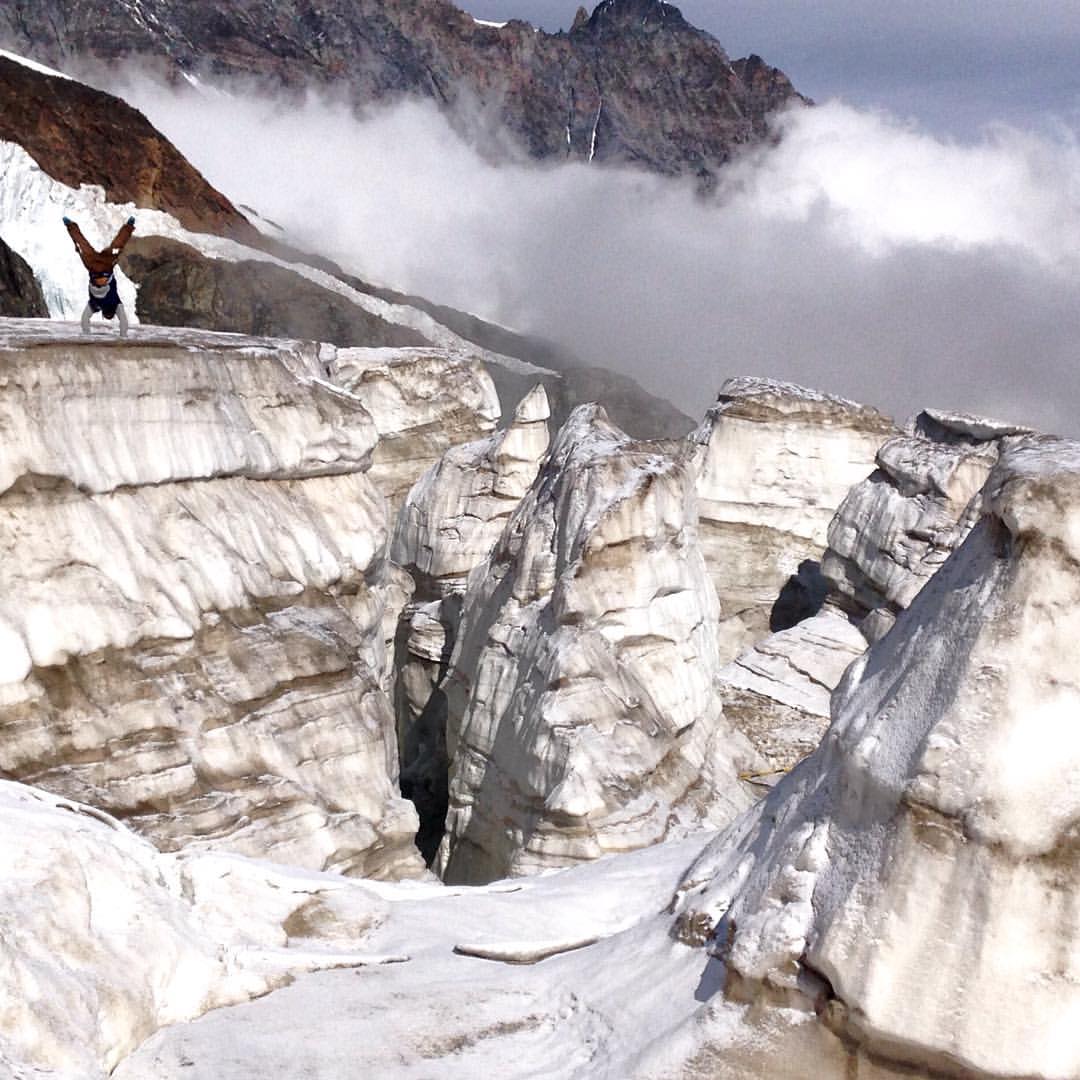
[179,286]
[894,530]
[194,593]
[774,461]
[913,879]
[583,708]
[20,293]
[80,135]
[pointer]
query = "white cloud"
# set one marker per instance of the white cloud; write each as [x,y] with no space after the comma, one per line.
[859,255]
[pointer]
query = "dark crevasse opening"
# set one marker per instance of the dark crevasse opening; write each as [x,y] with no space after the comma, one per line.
[803,595]
[423,645]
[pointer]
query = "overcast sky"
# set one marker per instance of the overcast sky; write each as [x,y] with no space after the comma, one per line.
[952,65]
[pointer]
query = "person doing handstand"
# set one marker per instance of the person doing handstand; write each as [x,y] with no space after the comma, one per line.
[101,266]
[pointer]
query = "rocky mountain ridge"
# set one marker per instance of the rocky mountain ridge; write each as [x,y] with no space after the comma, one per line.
[634,83]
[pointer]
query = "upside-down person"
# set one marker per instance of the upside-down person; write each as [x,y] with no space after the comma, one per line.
[101,266]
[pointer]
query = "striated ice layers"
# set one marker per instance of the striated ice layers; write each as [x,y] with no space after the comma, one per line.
[195,590]
[583,708]
[915,878]
[774,461]
[195,637]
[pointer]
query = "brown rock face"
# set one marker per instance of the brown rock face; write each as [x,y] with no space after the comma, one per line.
[79,135]
[178,286]
[633,83]
[20,293]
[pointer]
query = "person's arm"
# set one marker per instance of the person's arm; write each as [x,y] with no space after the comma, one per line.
[122,237]
[82,245]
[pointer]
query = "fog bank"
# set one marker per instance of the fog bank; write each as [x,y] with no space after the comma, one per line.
[860,255]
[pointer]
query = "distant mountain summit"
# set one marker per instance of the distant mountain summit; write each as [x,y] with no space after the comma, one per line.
[632,83]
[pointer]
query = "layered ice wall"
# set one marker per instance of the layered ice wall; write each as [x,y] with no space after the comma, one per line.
[422,402]
[914,880]
[451,520]
[774,461]
[893,530]
[584,716]
[896,528]
[193,595]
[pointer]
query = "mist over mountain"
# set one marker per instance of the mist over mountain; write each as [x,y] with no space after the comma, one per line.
[633,83]
[858,254]
[845,251]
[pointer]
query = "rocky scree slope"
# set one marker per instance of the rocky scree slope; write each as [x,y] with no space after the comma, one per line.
[633,83]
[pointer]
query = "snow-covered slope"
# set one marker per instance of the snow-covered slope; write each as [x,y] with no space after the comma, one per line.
[98,951]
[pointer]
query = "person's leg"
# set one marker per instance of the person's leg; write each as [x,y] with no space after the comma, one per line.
[121,314]
[87,312]
[82,245]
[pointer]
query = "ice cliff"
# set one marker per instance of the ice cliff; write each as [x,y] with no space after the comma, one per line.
[196,584]
[583,713]
[912,880]
[895,529]
[206,615]
[774,461]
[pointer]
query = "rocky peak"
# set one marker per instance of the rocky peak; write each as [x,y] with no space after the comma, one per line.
[641,16]
[633,83]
